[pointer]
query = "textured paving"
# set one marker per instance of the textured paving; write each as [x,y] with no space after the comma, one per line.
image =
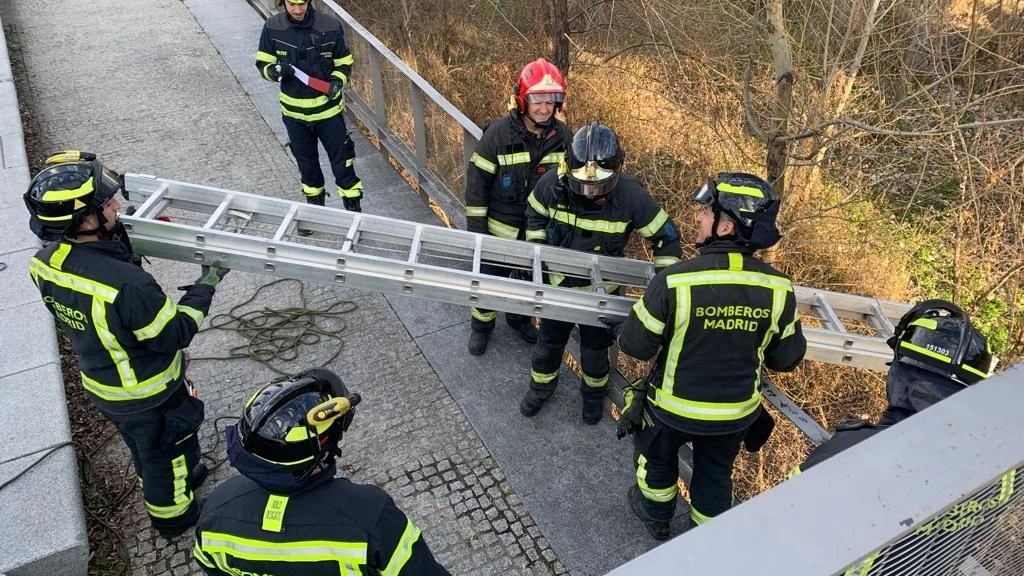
[171,90]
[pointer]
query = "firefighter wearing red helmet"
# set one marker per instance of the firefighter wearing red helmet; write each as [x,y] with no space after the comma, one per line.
[513,153]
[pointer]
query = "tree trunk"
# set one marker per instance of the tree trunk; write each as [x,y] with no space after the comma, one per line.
[559,31]
[782,106]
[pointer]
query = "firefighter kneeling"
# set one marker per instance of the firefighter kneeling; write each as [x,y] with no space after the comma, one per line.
[287,513]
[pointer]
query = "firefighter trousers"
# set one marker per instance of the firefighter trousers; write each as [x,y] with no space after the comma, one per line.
[547,358]
[483,319]
[341,151]
[164,445]
[656,459]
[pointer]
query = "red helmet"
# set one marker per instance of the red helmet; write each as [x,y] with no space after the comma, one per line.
[540,77]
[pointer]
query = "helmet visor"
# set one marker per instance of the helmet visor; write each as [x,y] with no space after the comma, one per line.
[545,98]
[592,181]
[706,194]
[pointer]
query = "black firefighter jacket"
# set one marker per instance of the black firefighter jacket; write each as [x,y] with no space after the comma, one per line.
[317,47]
[558,217]
[716,319]
[127,333]
[508,162]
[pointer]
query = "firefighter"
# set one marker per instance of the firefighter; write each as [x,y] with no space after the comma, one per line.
[303,42]
[127,333]
[715,319]
[591,206]
[514,152]
[937,352]
[287,513]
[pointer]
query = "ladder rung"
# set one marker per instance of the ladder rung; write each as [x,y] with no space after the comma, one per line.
[219,212]
[414,247]
[827,315]
[286,222]
[151,204]
[352,236]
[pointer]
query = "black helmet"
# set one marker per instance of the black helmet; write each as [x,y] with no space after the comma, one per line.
[594,160]
[749,201]
[297,422]
[937,336]
[72,186]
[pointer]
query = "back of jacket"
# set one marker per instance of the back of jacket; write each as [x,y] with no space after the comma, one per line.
[716,319]
[507,163]
[335,528]
[127,333]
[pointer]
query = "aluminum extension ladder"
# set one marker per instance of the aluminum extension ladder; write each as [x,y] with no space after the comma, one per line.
[242,231]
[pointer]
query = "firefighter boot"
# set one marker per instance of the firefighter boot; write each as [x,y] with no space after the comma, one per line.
[523,325]
[658,529]
[318,200]
[593,409]
[197,476]
[478,341]
[531,403]
[352,204]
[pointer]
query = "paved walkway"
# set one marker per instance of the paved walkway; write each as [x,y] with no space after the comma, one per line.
[171,90]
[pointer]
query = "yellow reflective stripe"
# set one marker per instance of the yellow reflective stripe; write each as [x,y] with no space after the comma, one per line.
[201,556]
[117,354]
[302,433]
[790,328]
[651,323]
[483,163]
[929,323]
[675,345]
[537,206]
[149,387]
[863,567]
[337,74]
[667,494]
[592,382]
[796,471]
[403,551]
[273,512]
[304,551]
[61,195]
[476,211]
[350,60]
[356,191]
[314,102]
[71,281]
[553,158]
[484,316]
[543,377]
[744,190]
[605,226]
[265,57]
[55,218]
[515,158]
[182,495]
[664,261]
[192,313]
[536,235]
[1006,487]
[711,411]
[166,314]
[697,517]
[329,113]
[502,230]
[745,278]
[926,352]
[312,190]
[655,224]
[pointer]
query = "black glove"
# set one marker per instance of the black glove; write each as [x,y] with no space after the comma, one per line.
[212,275]
[335,90]
[634,397]
[759,431]
[280,71]
[614,324]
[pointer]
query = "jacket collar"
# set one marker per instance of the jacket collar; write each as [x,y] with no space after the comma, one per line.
[725,246]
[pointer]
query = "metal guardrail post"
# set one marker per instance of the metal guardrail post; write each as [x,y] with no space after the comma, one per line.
[420,128]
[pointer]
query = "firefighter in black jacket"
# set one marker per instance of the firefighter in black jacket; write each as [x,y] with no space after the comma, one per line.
[514,152]
[287,513]
[716,319]
[127,333]
[301,41]
[938,353]
[590,206]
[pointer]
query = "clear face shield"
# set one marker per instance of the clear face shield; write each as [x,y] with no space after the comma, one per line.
[592,181]
[545,98]
[706,194]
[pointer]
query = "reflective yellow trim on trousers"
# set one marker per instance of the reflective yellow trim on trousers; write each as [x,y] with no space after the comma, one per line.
[697,517]
[149,387]
[709,411]
[543,377]
[355,191]
[662,495]
[652,324]
[501,230]
[592,382]
[484,316]
[182,494]
[302,551]
[514,158]
[166,314]
[403,551]
[312,191]
[476,211]
[655,224]
[483,163]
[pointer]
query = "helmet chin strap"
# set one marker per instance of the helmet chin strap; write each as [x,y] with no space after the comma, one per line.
[714,237]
